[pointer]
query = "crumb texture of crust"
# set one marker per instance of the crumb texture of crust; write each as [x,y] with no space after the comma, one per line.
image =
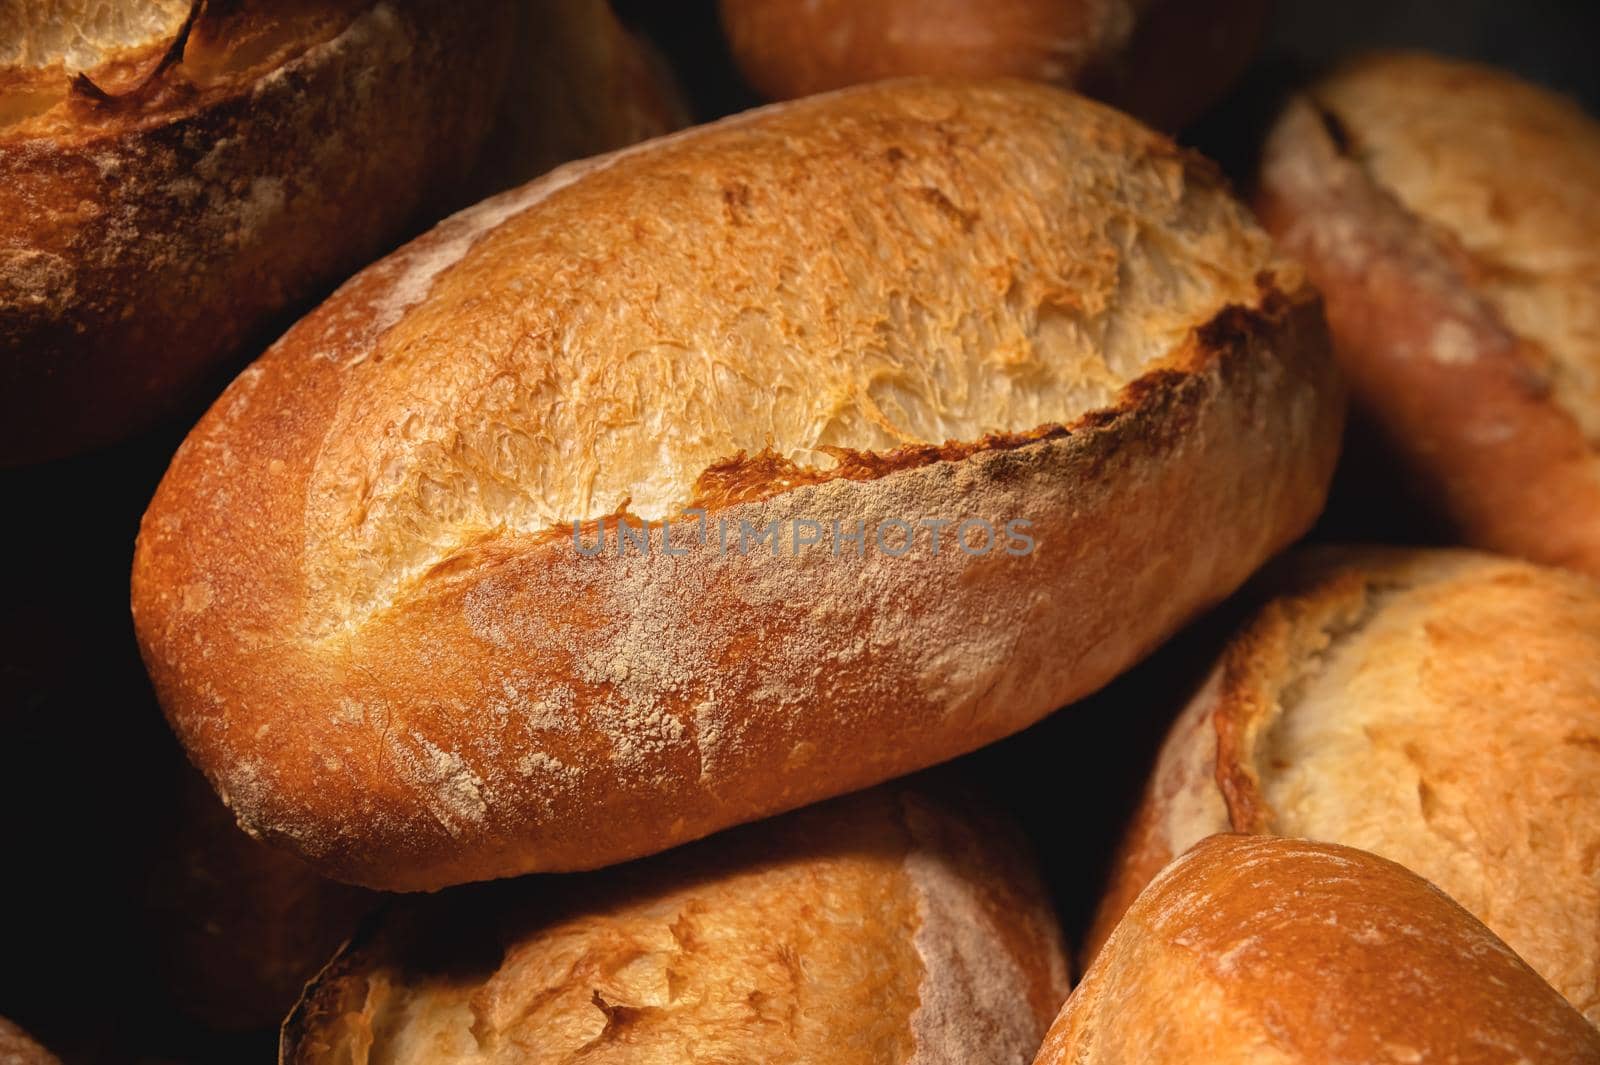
[792,941]
[1505,173]
[926,302]
[1252,950]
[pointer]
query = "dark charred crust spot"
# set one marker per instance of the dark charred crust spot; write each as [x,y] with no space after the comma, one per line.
[1338,133]
[965,219]
[618,1017]
[736,202]
[87,92]
[748,478]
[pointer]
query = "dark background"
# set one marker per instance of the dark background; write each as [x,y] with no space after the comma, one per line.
[89,773]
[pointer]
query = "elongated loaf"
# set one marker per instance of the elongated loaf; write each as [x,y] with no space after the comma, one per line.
[1440,708]
[1258,951]
[175,175]
[1164,60]
[876,930]
[1450,215]
[373,592]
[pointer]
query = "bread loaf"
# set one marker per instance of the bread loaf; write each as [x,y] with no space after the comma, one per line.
[396,591]
[1259,951]
[882,928]
[175,175]
[1163,59]
[1440,708]
[1450,214]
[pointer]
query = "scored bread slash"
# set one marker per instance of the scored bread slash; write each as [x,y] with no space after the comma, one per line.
[1437,707]
[1449,214]
[367,590]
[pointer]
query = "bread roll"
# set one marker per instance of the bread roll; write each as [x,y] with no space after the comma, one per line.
[175,175]
[1257,951]
[1440,708]
[384,589]
[882,928]
[17,1049]
[1167,59]
[1450,213]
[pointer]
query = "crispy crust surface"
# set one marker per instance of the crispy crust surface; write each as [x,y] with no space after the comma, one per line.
[881,927]
[385,658]
[1262,951]
[1463,293]
[1439,708]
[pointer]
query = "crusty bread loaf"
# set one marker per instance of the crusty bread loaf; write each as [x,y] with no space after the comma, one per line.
[883,928]
[1164,59]
[1440,708]
[364,590]
[1259,951]
[17,1049]
[174,175]
[1450,214]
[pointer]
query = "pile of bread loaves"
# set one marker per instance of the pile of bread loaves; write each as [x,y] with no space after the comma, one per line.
[646,522]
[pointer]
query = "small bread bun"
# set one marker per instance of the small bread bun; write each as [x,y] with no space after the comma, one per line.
[1259,951]
[882,928]
[16,1048]
[1163,59]
[397,592]
[1450,214]
[1440,708]
[175,175]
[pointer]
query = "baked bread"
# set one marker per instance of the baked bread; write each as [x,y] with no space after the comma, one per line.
[1163,59]
[175,175]
[17,1049]
[882,928]
[395,591]
[1259,951]
[1450,214]
[1440,708]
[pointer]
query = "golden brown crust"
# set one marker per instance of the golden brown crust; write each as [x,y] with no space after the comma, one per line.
[1463,293]
[16,1048]
[357,591]
[1438,708]
[884,927]
[161,205]
[1261,951]
[1163,60]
